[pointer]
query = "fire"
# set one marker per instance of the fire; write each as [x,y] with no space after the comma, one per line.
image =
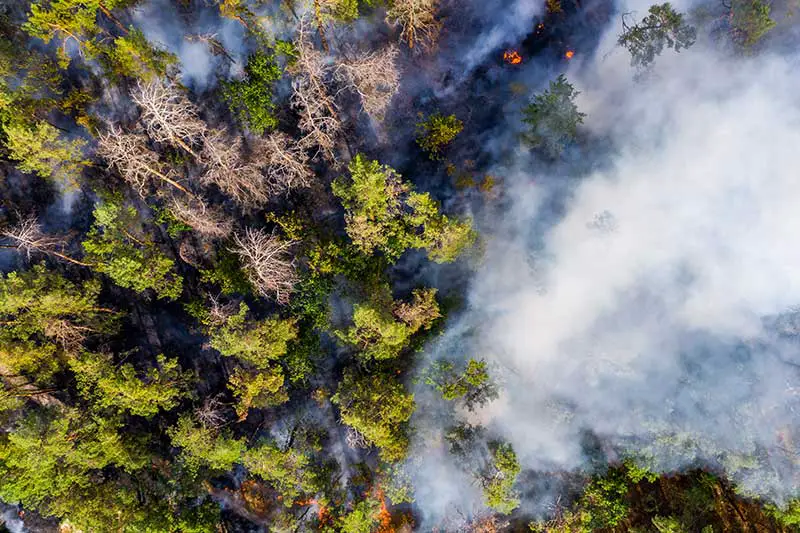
[569,54]
[512,57]
[384,516]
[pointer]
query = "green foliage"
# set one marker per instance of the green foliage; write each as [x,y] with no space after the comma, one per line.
[45,317]
[663,26]
[377,406]
[49,455]
[257,342]
[473,384]
[751,21]
[363,518]
[121,387]
[133,56]
[250,98]
[604,499]
[228,274]
[382,328]
[636,473]
[436,132]
[203,446]
[788,515]
[257,389]
[553,118]
[342,10]
[383,213]
[68,21]
[668,524]
[38,147]
[287,471]
[498,484]
[119,248]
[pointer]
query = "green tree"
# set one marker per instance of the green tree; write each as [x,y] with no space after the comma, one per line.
[257,342]
[119,247]
[251,98]
[46,318]
[553,118]
[604,499]
[473,385]
[258,389]
[287,471]
[378,407]
[663,26]
[382,328]
[121,387]
[499,480]
[383,213]
[51,454]
[362,518]
[205,446]
[134,56]
[436,132]
[38,147]
[750,21]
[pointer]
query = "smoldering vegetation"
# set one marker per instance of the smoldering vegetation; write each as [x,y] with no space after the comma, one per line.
[405,265]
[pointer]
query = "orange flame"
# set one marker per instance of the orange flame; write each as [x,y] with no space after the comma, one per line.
[569,54]
[512,57]
[384,516]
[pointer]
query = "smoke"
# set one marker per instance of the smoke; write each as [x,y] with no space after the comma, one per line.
[651,301]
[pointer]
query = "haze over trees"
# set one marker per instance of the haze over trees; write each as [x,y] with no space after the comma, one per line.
[216,297]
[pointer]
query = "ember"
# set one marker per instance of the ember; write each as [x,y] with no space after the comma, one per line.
[569,54]
[512,57]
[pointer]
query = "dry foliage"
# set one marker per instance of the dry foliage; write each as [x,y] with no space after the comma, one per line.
[212,413]
[28,238]
[268,263]
[228,167]
[375,77]
[204,219]
[319,120]
[133,159]
[417,21]
[168,116]
[421,311]
[285,163]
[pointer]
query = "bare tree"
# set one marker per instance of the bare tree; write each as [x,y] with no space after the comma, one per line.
[232,171]
[203,218]
[417,21]
[136,163]
[375,77]
[168,116]
[285,162]
[268,263]
[319,120]
[28,237]
[212,413]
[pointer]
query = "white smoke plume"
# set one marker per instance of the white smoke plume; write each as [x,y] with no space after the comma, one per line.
[654,304]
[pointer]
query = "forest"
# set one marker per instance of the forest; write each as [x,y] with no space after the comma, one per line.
[373,266]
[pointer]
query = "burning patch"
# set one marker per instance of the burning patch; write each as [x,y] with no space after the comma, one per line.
[569,54]
[512,57]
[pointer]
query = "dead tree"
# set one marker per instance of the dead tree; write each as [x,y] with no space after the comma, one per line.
[229,168]
[134,160]
[203,218]
[284,161]
[168,116]
[268,263]
[375,77]
[28,238]
[417,21]
[319,120]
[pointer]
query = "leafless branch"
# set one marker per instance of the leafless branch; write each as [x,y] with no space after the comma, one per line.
[201,217]
[319,120]
[232,171]
[267,262]
[133,159]
[285,163]
[375,77]
[168,116]
[28,238]
[417,21]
